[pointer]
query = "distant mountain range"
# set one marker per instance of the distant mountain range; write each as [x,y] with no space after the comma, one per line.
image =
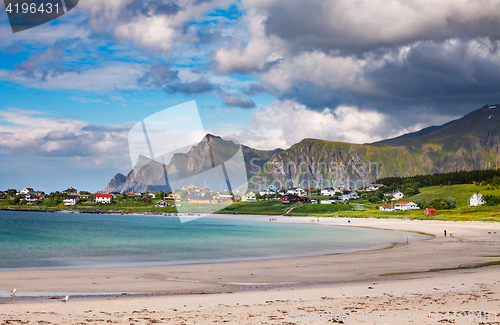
[469,143]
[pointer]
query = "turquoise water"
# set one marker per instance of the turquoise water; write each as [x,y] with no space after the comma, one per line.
[65,240]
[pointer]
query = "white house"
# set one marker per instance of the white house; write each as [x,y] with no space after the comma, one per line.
[150,194]
[248,196]
[296,191]
[374,187]
[386,208]
[352,195]
[396,195]
[26,190]
[103,198]
[328,191]
[404,206]
[270,190]
[477,199]
[71,199]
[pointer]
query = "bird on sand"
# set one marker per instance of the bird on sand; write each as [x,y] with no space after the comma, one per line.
[65,299]
[13,292]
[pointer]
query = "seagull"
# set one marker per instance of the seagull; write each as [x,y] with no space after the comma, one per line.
[13,292]
[65,299]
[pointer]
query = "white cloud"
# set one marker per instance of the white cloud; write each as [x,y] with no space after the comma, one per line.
[285,123]
[145,23]
[33,133]
[99,79]
[333,72]
[260,52]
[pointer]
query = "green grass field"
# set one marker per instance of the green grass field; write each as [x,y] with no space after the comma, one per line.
[364,209]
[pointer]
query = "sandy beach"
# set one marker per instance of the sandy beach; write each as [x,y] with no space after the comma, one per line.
[357,287]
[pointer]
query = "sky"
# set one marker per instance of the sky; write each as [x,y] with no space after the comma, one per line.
[267,73]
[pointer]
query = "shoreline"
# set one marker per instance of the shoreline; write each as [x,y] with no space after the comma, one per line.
[471,241]
[253,218]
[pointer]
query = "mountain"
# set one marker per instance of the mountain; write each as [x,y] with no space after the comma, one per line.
[471,142]
[191,167]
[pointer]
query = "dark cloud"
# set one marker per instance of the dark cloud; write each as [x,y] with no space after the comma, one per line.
[255,90]
[158,76]
[233,101]
[48,63]
[150,8]
[360,26]
[59,135]
[196,87]
[162,76]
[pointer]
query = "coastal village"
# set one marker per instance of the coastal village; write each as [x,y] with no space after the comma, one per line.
[386,200]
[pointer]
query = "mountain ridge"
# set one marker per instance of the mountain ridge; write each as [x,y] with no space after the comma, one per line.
[470,142]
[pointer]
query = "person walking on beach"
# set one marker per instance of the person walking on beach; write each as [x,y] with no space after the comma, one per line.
[445,233]
[451,233]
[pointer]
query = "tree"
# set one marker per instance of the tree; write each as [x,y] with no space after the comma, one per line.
[409,192]
[15,200]
[451,202]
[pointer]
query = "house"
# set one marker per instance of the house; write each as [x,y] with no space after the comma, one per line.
[146,199]
[476,200]
[150,194]
[26,190]
[430,212]
[223,197]
[374,187]
[162,204]
[396,195]
[205,189]
[352,195]
[296,191]
[134,196]
[404,206]
[270,190]
[190,187]
[71,199]
[32,197]
[103,198]
[386,208]
[173,196]
[201,199]
[248,196]
[70,190]
[328,191]
[289,198]
[83,196]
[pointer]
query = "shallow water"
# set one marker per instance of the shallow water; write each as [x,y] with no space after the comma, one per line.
[36,240]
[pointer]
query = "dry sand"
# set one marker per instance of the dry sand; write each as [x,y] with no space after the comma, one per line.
[345,287]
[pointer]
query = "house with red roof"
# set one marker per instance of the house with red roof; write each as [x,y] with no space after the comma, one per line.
[248,196]
[405,206]
[103,198]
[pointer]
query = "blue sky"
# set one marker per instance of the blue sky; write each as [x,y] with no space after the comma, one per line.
[268,73]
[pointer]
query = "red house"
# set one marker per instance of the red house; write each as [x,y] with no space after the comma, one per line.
[430,212]
[289,198]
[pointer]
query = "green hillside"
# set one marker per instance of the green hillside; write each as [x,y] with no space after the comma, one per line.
[469,143]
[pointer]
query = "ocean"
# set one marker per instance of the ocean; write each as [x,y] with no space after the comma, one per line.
[36,240]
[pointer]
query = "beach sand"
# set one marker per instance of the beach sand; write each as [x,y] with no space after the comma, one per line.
[345,287]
